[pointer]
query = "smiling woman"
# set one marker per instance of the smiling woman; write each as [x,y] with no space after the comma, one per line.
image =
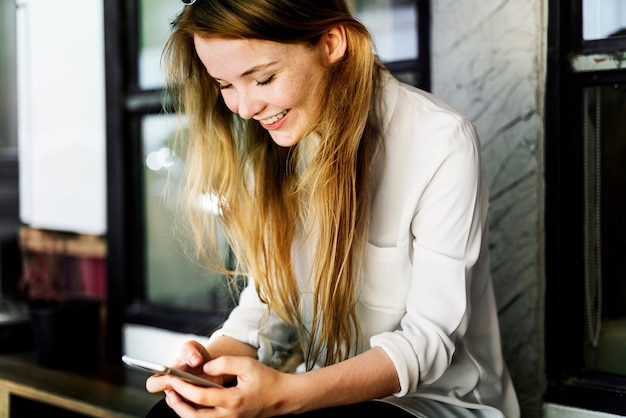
[142,226]
[367,248]
[157,265]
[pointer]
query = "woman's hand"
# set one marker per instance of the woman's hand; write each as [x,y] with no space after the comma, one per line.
[191,358]
[260,391]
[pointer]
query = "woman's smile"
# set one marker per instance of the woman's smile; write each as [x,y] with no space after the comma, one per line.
[275,121]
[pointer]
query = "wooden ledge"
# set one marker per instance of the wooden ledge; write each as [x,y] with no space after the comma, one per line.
[111,391]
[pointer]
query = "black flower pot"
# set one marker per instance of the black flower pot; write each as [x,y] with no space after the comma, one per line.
[15,330]
[66,333]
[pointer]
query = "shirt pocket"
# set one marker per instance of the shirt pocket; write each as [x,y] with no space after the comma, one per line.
[387,278]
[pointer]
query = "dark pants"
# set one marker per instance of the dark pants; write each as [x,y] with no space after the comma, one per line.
[371,408]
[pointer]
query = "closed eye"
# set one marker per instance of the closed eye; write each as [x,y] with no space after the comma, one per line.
[259,83]
[266,81]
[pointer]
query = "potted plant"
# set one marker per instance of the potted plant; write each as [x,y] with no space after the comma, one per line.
[66,323]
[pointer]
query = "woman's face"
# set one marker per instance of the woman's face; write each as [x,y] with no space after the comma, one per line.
[278,85]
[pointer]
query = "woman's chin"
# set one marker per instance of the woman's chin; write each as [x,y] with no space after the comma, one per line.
[285,139]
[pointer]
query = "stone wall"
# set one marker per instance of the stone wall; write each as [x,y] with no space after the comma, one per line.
[488,60]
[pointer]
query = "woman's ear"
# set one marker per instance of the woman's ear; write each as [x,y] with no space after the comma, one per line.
[335,43]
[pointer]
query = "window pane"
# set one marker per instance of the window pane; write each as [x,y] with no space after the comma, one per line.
[8,76]
[605,227]
[154,16]
[393,24]
[172,279]
[603,18]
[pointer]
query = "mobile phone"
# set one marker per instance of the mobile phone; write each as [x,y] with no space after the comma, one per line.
[161,369]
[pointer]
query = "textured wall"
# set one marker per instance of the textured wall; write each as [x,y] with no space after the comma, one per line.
[488,61]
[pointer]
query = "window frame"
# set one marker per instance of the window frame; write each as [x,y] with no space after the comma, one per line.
[569,383]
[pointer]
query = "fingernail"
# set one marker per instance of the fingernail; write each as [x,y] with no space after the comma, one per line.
[195,360]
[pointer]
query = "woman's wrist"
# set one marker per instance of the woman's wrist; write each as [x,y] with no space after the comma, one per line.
[293,394]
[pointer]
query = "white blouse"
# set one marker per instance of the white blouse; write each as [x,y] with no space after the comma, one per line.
[427,296]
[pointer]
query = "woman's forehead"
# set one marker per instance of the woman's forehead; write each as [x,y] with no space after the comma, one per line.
[242,57]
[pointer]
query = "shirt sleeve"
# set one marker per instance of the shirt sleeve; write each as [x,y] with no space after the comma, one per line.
[245,320]
[252,322]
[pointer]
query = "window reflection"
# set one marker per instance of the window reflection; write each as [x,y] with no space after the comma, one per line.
[173,279]
[393,24]
[603,18]
[155,16]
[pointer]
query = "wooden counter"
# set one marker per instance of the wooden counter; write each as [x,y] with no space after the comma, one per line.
[106,391]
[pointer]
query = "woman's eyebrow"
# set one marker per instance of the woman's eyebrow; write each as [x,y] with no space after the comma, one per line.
[258,68]
[251,71]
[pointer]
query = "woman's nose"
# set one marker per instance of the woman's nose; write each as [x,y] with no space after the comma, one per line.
[249,105]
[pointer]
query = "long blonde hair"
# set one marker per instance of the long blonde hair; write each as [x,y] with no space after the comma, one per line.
[262,194]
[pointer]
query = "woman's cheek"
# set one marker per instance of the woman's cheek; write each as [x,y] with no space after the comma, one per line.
[230,101]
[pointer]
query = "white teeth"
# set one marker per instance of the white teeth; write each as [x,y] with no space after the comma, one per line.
[275,118]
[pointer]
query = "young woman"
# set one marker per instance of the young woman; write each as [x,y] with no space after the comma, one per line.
[357,208]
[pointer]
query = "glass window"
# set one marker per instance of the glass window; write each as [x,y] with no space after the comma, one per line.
[603,19]
[173,278]
[393,24]
[154,32]
[605,229]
